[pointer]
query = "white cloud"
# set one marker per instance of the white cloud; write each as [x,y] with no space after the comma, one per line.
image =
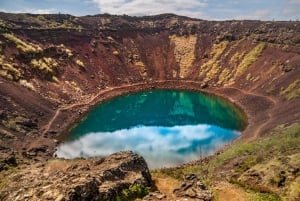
[151,7]
[293,1]
[159,145]
[256,15]
[291,9]
[37,11]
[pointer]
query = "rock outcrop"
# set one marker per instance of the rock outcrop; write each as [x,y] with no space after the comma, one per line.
[54,68]
[7,160]
[194,189]
[79,179]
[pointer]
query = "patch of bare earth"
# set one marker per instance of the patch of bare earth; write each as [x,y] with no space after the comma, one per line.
[229,192]
[166,185]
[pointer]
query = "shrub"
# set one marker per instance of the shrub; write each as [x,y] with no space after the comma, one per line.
[80,63]
[45,65]
[292,91]
[27,85]
[250,58]
[212,66]
[8,71]
[133,192]
[21,45]
[265,197]
[66,50]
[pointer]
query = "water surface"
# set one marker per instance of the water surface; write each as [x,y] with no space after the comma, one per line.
[166,127]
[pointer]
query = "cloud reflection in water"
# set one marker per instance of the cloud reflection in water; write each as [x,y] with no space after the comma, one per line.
[160,146]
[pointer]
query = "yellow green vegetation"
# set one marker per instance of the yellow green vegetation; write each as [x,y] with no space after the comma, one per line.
[52,24]
[4,25]
[73,85]
[66,50]
[79,63]
[14,123]
[271,158]
[4,181]
[250,58]
[251,78]
[184,52]
[41,18]
[292,91]
[133,192]
[21,45]
[212,66]
[224,76]
[227,73]
[55,79]
[256,196]
[9,71]
[6,134]
[135,58]
[45,65]
[248,76]
[140,64]
[27,85]
[267,167]
[232,47]
[237,57]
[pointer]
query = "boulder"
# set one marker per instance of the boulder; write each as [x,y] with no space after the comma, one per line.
[153,196]
[7,160]
[193,188]
[79,179]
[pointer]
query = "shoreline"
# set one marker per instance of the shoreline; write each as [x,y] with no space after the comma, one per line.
[112,92]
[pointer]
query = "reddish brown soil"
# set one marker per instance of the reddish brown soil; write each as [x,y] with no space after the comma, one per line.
[55,107]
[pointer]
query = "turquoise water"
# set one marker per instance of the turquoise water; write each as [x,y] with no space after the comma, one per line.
[166,127]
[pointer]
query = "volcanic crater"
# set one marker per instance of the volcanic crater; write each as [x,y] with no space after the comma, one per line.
[55,68]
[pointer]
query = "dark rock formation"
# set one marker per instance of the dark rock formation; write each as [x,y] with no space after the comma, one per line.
[193,188]
[7,160]
[53,68]
[152,196]
[81,179]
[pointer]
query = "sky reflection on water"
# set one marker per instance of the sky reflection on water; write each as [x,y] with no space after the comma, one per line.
[166,127]
[160,146]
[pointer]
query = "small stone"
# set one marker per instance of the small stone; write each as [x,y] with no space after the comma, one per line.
[60,198]
[116,53]
[193,188]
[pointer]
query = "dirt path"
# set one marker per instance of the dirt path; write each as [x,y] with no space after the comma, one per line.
[67,107]
[57,112]
[96,96]
[268,112]
[224,190]
[230,192]
[80,103]
[166,185]
[271,99]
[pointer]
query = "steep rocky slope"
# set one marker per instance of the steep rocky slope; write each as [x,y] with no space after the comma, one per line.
[53,68]
[92,179]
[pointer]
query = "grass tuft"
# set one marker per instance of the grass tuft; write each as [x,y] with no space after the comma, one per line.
[250,58]
[45,65]
[80,63]
[9,71]
[21,45]
[292,91]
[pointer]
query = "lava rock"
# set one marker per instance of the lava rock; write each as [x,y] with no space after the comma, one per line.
[193,188]
[81,179]
[154,196]
[9,160]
